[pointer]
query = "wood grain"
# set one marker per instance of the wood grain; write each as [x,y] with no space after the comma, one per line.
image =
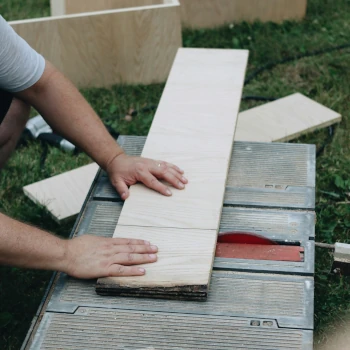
[183,266]
[63,195]
[209,13]
[66,7]
[284,119]
[134,46]
[193,127]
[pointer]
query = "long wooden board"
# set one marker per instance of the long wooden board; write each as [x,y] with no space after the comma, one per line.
[209,13]
[194,127]
[284,119]
[63,195]
[130,45]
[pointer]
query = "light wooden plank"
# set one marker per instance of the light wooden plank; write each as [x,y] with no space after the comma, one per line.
[284,119]
[209,13]
[58,7]
[184,260]
[66,7]
[63,195]
[134,45]
[194,128]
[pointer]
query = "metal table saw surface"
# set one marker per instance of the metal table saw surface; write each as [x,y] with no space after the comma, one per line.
[252,304]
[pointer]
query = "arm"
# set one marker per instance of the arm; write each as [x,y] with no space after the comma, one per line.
[83,257]
[67,112]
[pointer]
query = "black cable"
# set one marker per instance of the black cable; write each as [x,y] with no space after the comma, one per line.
[273,64]
[327,142]
[258,98]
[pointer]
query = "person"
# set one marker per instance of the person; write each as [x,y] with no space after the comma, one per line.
[27,79]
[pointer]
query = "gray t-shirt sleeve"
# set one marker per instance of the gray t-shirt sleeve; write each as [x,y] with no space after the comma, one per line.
[20,65]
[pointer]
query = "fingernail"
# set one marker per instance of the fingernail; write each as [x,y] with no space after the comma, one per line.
[181,170]
[152,256]
[123,195]
[181,185]
[168,192]
[184,179]
[147,243]
[154,247]
[142,270]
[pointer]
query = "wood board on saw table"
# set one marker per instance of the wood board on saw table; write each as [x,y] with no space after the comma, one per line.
[194,128]
[284,119]
[63,195]
[98,49]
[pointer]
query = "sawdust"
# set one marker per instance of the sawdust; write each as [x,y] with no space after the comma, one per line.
[338,338]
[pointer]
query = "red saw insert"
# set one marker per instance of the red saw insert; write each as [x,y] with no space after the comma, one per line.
[244,245]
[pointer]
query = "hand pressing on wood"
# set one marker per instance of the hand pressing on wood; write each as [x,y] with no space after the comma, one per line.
[87,256]
[92,257]
[125,171]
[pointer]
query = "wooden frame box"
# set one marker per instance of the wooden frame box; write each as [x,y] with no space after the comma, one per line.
[201,13]
[129,45]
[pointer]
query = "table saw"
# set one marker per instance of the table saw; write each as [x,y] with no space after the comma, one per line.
[252,304]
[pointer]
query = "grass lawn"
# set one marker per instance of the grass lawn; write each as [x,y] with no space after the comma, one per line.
[324,78]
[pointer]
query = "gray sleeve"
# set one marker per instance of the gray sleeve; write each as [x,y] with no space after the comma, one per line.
[20,65]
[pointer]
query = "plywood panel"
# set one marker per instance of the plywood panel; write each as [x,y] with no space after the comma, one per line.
[210,13]
[284,119]
[193,127]
[183,265]
[63,195]
[66,7]
[134,46]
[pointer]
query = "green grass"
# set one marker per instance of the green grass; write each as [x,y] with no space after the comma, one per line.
[324,78]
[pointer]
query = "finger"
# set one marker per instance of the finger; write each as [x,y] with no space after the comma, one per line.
[175,167]
[122,189]
[134,259]
[167,171]
[159,163]
[129,241]
[150,181]
[116,270]
[138,249]
[173,177]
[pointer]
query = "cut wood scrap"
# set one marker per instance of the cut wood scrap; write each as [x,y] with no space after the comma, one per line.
[63,195]
[209,13]
[194,128]
[130,45]
[284,119]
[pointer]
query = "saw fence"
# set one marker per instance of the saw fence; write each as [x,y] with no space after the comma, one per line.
[251,304]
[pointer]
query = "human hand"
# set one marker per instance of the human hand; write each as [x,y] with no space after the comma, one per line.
[125,171]
[89,256]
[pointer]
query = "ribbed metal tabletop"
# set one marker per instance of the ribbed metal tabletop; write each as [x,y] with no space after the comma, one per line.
[252,304]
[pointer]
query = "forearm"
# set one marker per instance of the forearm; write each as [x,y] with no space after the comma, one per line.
[68,113]
[22,245]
